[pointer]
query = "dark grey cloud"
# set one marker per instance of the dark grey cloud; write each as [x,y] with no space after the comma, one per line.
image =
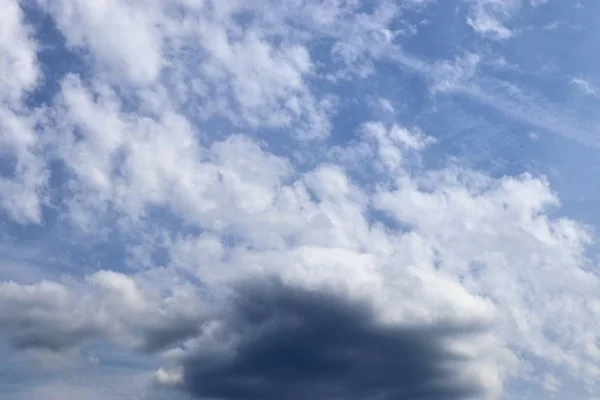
[296,344]
[167,333]
[41,338]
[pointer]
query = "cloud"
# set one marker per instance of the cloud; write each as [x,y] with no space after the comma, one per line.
[449,76]
[120,162]
[202,56]
[106,306]
[466,247]
[486,17]
[23,189]
[460,77]
[533,110]
[489,17]
[586,87]
[100,27]
[42,316]
[24,176]
[19,70]
[284,341]
[314,231]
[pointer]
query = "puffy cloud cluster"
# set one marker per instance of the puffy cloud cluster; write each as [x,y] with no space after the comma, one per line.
[455,247]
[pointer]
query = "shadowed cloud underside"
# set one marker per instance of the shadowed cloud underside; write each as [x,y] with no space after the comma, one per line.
[293,343]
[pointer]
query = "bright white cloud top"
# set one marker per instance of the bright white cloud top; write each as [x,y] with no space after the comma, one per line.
[221,199]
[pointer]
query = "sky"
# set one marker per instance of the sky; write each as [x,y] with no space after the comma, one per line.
[301,199]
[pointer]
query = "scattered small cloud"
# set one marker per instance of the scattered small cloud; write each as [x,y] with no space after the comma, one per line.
[533,136]
[586,87]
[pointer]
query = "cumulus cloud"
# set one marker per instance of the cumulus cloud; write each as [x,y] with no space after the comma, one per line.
[248,75]
[283,341]
[106,306]
[40,316]
[433,271]
[23,187]
[469,251]
[23,178]
[19,71]
[121,162]
[101,28]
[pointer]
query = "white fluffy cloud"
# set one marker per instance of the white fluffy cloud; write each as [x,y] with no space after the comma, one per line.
[127,164]
[205,57]
[101,28]
[22,184]
[18,67]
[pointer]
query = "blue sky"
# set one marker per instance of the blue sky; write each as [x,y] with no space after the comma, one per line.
[431,162]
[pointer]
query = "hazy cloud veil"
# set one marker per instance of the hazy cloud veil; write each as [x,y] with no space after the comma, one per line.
[350,199]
